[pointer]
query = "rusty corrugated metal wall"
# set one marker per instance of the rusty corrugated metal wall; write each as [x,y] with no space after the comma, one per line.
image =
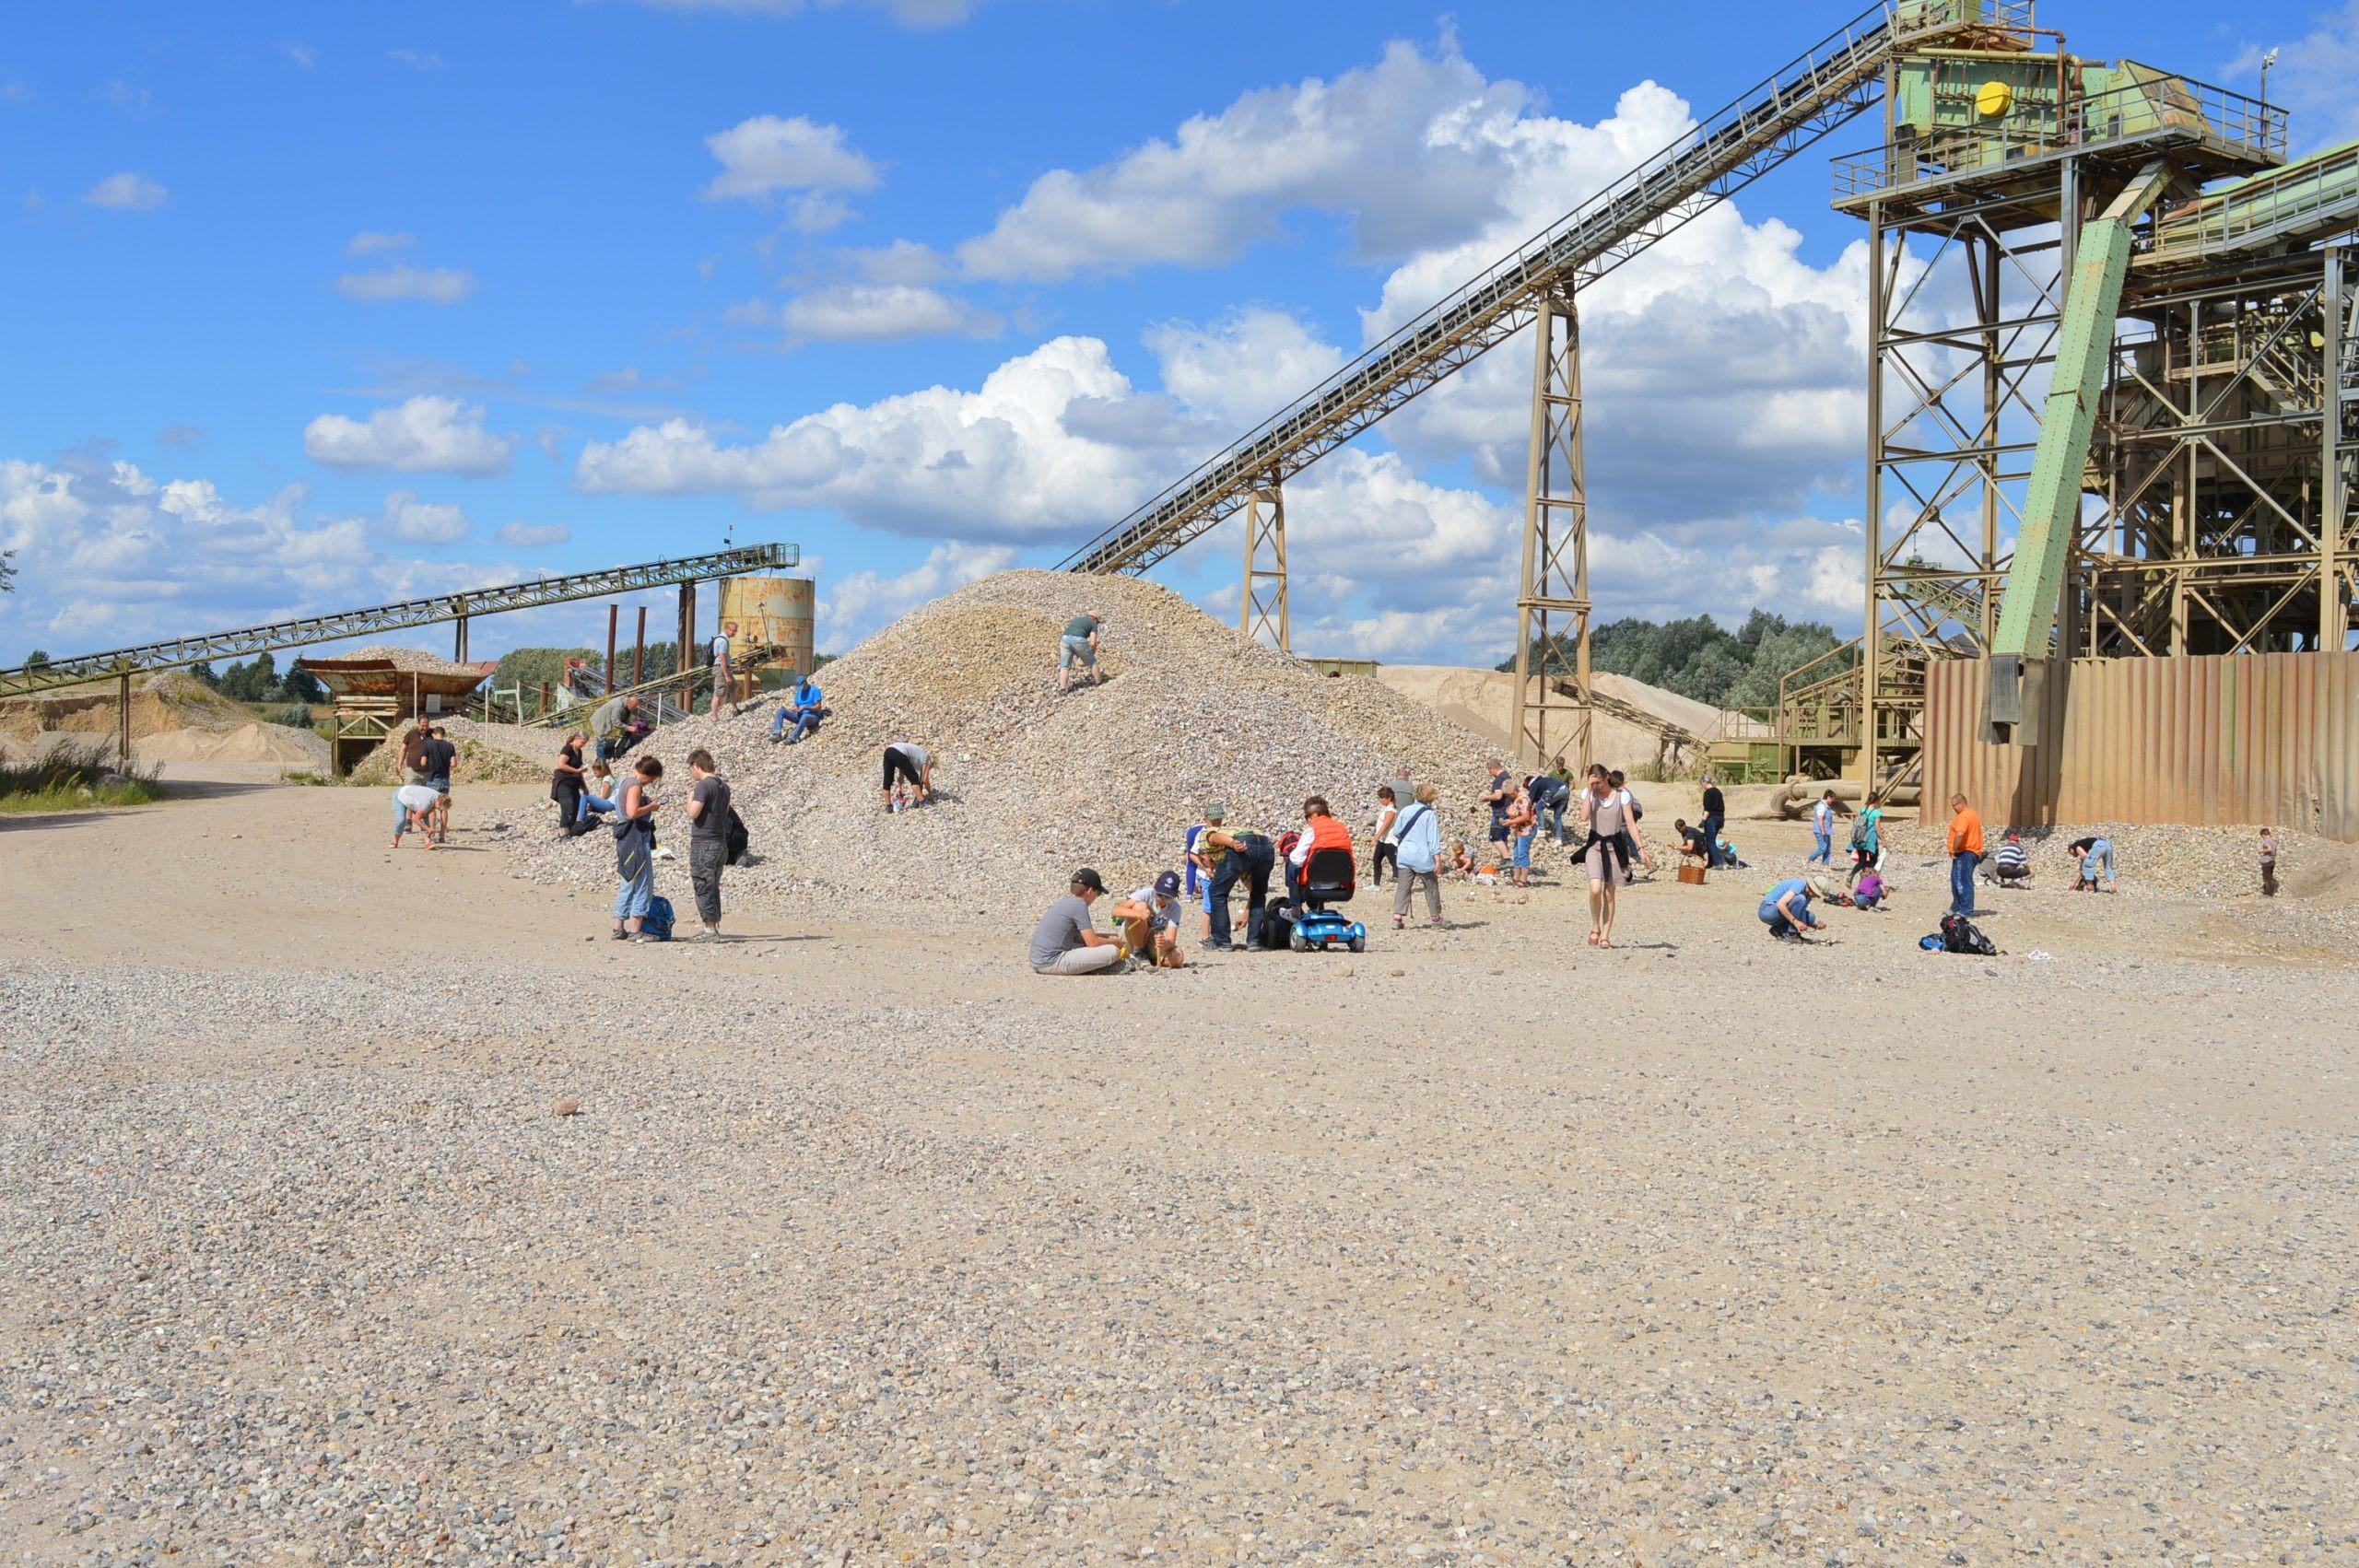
[2268,738]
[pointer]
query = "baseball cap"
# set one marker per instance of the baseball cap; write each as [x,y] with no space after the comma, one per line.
[1216,814]
[1167,885]
[1089,879]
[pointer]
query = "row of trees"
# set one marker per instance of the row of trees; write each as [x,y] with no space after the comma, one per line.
[1699,658]
[259,680]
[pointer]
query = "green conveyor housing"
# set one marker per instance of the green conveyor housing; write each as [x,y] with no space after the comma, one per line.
[2052,504]
[2299,204]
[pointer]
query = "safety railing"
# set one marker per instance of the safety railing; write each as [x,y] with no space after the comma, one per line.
[2317,195]
[2137,108]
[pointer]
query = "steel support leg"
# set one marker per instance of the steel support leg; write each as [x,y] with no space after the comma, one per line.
[2334,618]
[1263,614]
[1551,722]
[122,718]
[459,640]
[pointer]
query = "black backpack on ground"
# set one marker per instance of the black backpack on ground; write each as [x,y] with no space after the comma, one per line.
[1961,935]
[739,839]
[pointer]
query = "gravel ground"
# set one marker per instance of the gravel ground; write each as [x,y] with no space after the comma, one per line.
[865,1245]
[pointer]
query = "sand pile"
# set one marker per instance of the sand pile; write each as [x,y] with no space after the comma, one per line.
[174,717]
[487,755]
[1035,782]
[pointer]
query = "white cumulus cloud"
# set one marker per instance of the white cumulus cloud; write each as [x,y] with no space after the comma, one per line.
[368,241]
[1244,367]
[433,286]
[1003,463]
[859,603]
[127,192]
[424,435]
[876,312]
[765,156]
[534,536]
[414,521]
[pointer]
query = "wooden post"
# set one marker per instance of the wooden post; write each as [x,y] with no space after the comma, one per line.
[545,699]
[614,618]
[639,650]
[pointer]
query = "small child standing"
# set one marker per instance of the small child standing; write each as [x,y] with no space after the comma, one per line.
[2269,862]
[1386,812]
[1521,821]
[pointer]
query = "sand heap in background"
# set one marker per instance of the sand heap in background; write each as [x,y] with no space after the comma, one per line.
[174,717]
[1035,782]
[1482,700]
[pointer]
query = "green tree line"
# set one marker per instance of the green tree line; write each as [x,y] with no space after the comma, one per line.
[1700,659]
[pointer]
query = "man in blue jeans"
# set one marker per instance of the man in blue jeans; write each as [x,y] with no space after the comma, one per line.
[1965,853]
[804,708]
[1247,855]
[1821,828]
[1785,910]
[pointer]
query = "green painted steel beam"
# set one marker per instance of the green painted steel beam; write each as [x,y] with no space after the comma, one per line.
[2084,347]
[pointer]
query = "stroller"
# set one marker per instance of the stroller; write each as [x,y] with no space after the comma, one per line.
[1330,877]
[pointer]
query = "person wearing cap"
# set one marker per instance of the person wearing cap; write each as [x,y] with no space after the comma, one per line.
[1229,856]
[2010,866]
[1065,944]
[1150,920]
[805,706]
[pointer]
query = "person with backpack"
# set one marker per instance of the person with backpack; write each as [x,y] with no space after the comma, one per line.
[1821,828]
[725,679]
[708,840]
[1418,835]
[634,831]
[1965,853]
[1867,839]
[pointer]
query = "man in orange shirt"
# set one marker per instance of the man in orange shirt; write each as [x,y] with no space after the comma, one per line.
[1965,853]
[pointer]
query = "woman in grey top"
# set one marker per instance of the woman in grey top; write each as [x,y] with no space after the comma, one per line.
[1609,843]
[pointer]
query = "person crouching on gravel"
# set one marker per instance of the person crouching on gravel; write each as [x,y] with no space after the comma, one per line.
[910,761]
[413,808]
[1150,920]
[1065,942]
[707,841]
[635,848]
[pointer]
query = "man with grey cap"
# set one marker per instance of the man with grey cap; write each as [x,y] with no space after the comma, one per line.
[1065,942]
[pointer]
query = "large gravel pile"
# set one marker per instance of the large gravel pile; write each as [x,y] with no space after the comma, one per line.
[1032,779]
[416,659]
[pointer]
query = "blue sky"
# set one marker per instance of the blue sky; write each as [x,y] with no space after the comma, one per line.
[313,307]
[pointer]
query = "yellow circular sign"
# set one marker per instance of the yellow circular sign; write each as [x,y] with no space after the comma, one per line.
[1994,99]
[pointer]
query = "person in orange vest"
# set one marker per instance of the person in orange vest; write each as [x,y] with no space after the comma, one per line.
[1321,830]
[1965,853]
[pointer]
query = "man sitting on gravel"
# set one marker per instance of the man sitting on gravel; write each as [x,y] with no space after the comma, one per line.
[804,708]
[1065,944]
[1078,650]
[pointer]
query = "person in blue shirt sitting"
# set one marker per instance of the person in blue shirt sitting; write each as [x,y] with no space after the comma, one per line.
[1785,910]
[804,709]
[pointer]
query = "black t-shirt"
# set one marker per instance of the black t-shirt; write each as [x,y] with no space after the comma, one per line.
[2081,845]
[440,754]
[1713,804]
[712,816]
[1502,785]
[568,771]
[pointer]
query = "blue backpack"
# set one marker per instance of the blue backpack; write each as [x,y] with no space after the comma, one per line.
[657,922]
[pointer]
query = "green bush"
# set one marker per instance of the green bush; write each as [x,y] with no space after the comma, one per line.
[78,778]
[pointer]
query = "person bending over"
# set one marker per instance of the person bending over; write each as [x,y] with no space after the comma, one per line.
[1065,942]
[413,809]
[907,760]
[2095,855]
